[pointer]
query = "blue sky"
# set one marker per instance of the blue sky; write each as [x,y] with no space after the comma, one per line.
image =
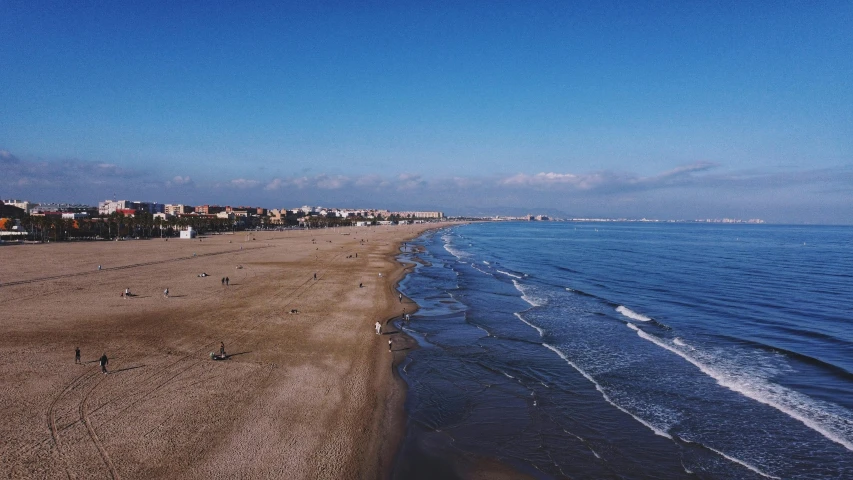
[658,109]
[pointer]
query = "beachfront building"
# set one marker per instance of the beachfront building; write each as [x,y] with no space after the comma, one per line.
[435,215]
[277,216]
[22,204]
[108,207]
[227,216]
[188,233]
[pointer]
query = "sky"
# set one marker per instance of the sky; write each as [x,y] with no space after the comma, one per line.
[669,110]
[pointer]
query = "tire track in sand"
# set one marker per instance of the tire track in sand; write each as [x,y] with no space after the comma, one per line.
[51,418]
[93,435]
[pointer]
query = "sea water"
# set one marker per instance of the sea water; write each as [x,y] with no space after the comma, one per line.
[632,350]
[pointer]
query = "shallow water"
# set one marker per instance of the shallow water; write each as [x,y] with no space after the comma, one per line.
[634,350]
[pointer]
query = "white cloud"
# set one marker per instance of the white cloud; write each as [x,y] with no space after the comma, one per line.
[331,182]
[244,183]
[7,158]
[275,184]
[681,175]
[407,181]
[178,180]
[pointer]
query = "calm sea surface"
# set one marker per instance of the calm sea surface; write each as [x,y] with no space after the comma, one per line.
[632,350]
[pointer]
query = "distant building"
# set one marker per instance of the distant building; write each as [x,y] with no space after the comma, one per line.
[420,214]
[108,207]
[173,209]
[277,217]
[209,209]
[22,204]
[60,208]
[188,233]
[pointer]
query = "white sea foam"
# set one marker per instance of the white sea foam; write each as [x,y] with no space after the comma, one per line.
[486,262]
[528,296]
[448,245]
[510,274]
[541,332]
[830,420]
[732,459]
[604,394]
[632,314]
[488,334]
[474,265]
[678,342]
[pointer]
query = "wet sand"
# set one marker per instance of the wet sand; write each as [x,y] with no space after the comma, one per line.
[301,395]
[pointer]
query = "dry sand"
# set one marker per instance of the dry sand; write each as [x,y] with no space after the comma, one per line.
[307,395]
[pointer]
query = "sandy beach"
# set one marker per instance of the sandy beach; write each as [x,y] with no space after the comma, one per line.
[301,395]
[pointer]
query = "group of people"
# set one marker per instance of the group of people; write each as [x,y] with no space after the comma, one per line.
[103,361]
[226,280]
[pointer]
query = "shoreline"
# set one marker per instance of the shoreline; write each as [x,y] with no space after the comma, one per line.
[429,458]
[301,395]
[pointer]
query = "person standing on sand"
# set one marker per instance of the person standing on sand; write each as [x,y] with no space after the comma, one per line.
[103,362]
[401,298]
[76,354]
[315,275]
[222,348]
[223,280]
[378,327]
[166,292]
[227,281]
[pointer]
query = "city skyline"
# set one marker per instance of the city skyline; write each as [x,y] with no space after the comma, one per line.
[617,110]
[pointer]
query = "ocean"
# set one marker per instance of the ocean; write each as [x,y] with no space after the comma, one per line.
[631,350]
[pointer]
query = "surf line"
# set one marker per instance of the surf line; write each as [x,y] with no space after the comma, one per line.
[726,382]
[645,423]
[604,394]
[632,314]
[518,316]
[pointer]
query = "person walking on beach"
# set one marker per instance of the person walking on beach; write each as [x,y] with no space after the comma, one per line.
[222,348]
[103,362]
[166,292]
[126,292]
[223,280]
[227,281]
[390,344]
[378,327]
[401,298]
[76,354]
[315,275]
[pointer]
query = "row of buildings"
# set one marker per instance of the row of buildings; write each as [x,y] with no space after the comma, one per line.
[243,214]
